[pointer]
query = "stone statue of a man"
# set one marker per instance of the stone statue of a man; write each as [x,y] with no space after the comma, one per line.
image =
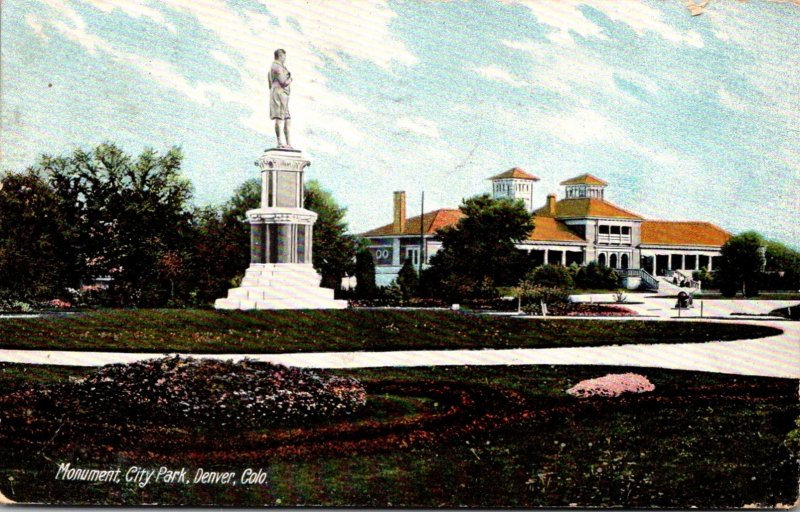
[280,80]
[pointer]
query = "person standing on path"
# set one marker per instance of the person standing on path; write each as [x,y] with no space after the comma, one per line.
[280,80]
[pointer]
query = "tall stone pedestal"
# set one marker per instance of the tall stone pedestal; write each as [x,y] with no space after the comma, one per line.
[280,275]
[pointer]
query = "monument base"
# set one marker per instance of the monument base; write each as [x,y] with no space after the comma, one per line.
[280,286]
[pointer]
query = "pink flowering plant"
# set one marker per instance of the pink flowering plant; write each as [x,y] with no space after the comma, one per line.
[613,384]
[213,393]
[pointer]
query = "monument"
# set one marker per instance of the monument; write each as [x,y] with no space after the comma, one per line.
[280,275]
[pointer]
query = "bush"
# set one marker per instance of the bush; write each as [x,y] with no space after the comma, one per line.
[595,276]
[613,384]
[213,393]
[407,280]
[553,276]
[556,299]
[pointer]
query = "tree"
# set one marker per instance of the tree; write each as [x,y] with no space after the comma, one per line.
[553,276]
[741,264]
[124,216]
[333,250]
[783,263]
[596,276]
[408,280]
[34,251]
[479,250]
[365,275]
[220,252]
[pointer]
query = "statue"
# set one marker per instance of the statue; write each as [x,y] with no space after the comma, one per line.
[280,79]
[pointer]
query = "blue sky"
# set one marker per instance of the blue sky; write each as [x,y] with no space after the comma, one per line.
[688,117]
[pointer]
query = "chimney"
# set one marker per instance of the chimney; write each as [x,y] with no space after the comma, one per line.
[551,204]
[399,222]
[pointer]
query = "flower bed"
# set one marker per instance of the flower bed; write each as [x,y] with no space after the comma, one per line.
[613,384]
[211,393]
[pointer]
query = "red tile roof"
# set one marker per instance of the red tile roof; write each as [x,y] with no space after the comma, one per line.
[431,222]
[662,232]
[548,229]
[516,173]
[584,179]
[586,207]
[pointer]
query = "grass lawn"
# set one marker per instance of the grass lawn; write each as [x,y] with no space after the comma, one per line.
[209,331]
[432,437]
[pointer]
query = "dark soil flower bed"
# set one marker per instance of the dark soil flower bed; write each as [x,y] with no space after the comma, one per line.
[448,436]
[191,393]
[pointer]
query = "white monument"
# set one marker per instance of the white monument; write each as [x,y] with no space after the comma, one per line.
[280,275]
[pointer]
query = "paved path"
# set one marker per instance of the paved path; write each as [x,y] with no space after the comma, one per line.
[776,356]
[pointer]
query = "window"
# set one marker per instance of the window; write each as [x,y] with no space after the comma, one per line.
[624,261]
[614,230]
[601,260]
[412,253]
[626,230]
[613,261]
[603,230]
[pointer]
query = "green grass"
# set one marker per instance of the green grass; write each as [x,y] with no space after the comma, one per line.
[208,331]
[705,440]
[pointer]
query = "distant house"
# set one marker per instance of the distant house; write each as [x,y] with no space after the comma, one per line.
[579,228]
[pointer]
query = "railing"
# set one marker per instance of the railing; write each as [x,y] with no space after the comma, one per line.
[670,275]
[648,280]
[614,239]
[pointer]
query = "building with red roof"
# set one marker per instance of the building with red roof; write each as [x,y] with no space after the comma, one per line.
[579,228]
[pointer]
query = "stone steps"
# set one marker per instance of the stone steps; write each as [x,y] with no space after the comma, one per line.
[280,286]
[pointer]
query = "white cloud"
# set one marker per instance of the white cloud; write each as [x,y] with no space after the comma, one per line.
[358,29]
[33,21]
[418,126]
[497,74]
[222,58]
[561,71]
[730,101]
[584,126]
[565,16]
[134,9]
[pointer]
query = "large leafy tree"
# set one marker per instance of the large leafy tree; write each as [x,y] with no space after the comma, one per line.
[220,254]
[128,218]
[784,265]
[741,264]
[34,248]
[479,251]
[334,250]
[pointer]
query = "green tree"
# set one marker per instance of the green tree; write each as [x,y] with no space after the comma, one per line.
[408,280]
[784,264]
[34,251]
[479,250]
[125,216]
[553,276]
[596,276]
[365,275]
[333,250]
[741,264]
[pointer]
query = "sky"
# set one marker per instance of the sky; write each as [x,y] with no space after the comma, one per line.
[687,117]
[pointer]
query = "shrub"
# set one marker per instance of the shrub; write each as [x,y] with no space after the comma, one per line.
[407,280]
[613,384]
[596,276]
[556,299]
[213,393]
[553,276]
